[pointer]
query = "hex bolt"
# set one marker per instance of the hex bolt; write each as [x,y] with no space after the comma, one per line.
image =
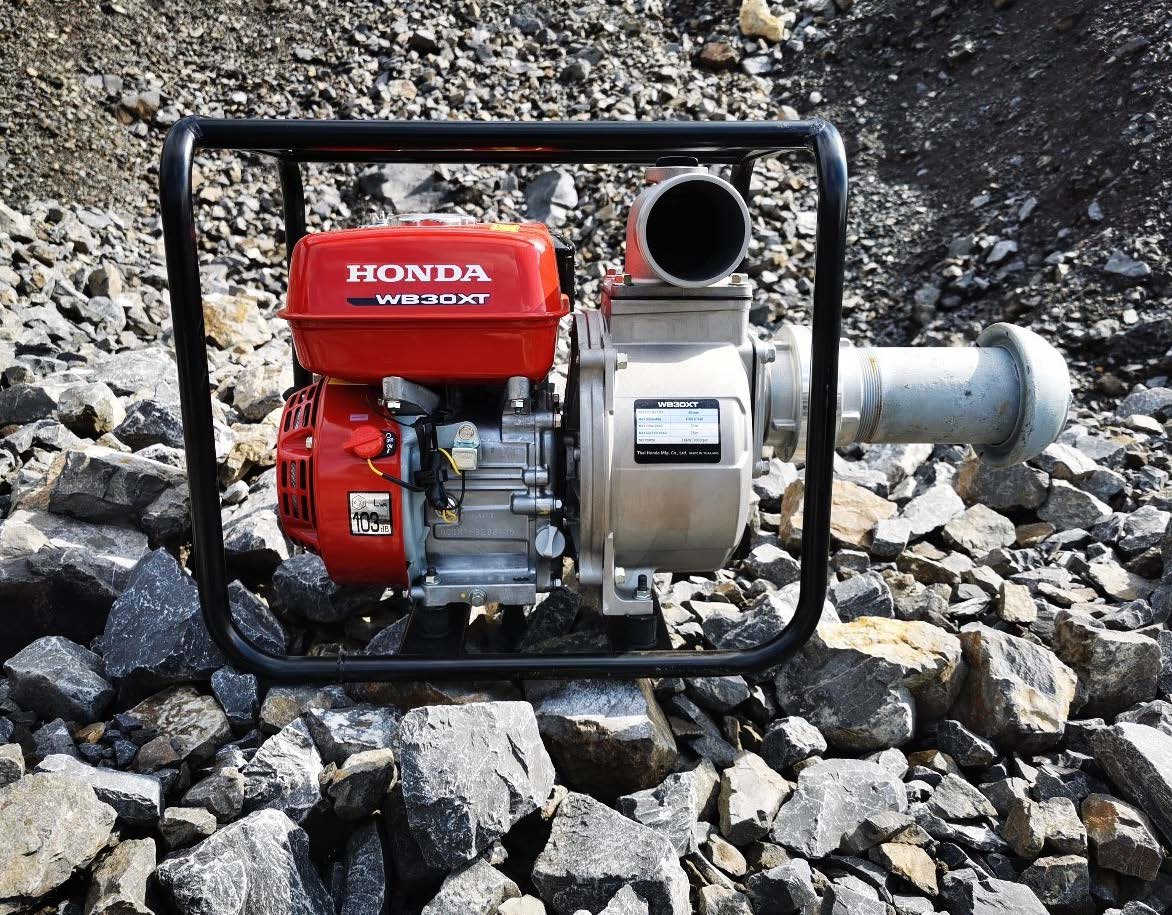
[642,591]
[620,575]
[620,360]
[737,279]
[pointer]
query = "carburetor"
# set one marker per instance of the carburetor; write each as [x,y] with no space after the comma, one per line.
[429,446]
[433,453]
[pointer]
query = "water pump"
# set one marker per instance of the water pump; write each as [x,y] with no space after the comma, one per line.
[429,448]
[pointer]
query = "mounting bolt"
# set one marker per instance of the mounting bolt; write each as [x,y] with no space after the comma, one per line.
[477,597]
[627,281]
[737,279]
[432,577]
[768,355]
[309,443]
[620,360]
[620,575]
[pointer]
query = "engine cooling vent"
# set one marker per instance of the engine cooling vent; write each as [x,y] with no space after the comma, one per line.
[295,496]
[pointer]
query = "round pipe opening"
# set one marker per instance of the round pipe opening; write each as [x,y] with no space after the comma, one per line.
[694,231]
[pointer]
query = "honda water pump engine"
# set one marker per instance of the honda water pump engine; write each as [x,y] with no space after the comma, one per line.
[435,453]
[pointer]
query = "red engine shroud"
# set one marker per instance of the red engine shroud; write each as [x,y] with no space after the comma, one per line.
[325,493]
[431,303]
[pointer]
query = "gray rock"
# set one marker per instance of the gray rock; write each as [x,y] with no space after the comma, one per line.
[1062,882]
[53,737]
[772,563]
[1017,694]
[410,188]
[1065,462]
[239,696]
[1116,670]
[956,799]
[594,851]
[862,595]
[105,486]
[220,794]
[750,795]
[268,857]
[791,740]
[625,902]
[1143,528]
[550,196]
[608,737]
[1126,267]
[1138,760]
[255,543]
[53,826]
[181,827]
[831,800]
[57,678]
[303,586]
[967,748]
[283,775]
[553,617]
[148,422]
[1002,488]
[787,889]
[155,633]
[852,900]
[469,773]
[890,537]
[90,409]
[979,531]
[137,799]
[967,893]
[477,889]
[11,763]
[1069,507]
[360,786]
[862,684]
[673,807]
[932,509]
[25,403]
[190,727]
[522,905]
[718,694]
[721,900]
[1122,837]
[285,704]
[65,573]
[364,878]
[119,883]
[1146,402]
[340,733]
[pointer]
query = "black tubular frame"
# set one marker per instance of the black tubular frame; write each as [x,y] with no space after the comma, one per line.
[291,142]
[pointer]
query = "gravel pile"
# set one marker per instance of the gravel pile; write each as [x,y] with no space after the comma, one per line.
[983,721]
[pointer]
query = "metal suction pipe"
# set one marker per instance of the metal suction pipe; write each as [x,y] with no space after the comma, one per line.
[1008,396]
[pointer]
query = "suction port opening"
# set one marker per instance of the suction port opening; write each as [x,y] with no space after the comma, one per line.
[696,231]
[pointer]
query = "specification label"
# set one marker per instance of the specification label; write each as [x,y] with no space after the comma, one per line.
[370,514]
[677,431]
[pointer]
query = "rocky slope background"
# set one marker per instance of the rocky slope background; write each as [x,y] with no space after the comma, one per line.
[983,722]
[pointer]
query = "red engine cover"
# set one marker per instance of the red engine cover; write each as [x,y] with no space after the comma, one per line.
[426,302]
[328,499]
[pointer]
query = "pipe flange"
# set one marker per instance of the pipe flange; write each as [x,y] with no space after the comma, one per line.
[1044,403]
